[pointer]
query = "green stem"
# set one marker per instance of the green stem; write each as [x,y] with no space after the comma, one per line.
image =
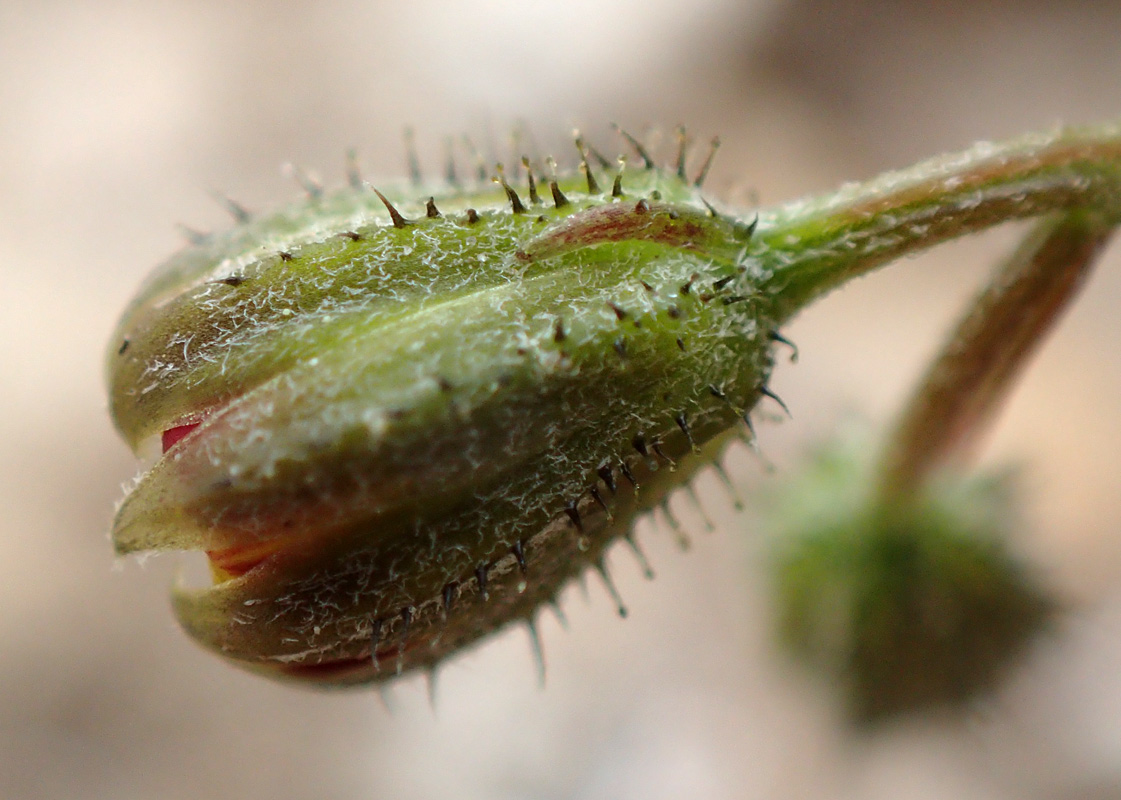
[1011,317]
[805,249]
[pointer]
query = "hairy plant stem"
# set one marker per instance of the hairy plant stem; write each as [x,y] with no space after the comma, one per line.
[807,248]
[965,385]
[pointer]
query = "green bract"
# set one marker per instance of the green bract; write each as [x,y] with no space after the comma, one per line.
[399,425]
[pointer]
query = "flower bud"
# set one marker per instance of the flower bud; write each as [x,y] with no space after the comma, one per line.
[394,435]
[908,607]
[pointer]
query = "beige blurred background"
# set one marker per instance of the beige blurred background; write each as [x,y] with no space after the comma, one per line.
[116,120]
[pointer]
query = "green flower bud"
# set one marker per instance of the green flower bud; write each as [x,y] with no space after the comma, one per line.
[907,607]
[400,434]
[397,425]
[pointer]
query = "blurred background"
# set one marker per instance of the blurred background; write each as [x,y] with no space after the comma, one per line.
[117,119]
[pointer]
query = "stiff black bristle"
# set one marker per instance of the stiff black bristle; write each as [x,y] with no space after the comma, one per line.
[647,161]
[395,215]
[703,173]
